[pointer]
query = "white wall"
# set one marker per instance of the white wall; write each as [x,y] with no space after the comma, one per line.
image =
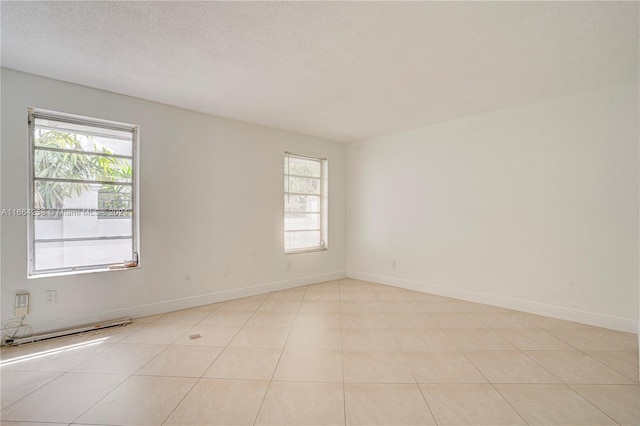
[211,194]
[533,208]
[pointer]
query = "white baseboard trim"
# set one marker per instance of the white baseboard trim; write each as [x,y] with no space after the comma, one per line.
[559,312]
[182,303]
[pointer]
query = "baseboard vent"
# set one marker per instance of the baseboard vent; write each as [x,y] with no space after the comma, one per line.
[78,330]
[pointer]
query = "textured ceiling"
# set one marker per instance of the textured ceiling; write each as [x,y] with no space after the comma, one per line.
[339,70]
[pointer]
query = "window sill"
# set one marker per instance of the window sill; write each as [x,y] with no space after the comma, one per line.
[309,250]
[82,271]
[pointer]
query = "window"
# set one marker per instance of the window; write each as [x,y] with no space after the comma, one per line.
[305,203]
[83,173]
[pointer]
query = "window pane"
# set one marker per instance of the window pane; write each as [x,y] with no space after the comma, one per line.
[79,137]
[58,195]
[302,167]
[302,203]
[77,166]
[81,224]
[303,185]
[74,254]
[301,240]
[301,221]
[115,199]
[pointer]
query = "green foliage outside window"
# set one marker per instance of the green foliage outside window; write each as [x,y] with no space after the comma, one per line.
[77,166]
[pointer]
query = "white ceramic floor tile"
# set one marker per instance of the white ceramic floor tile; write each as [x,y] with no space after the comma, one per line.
[376,367]
[14,385]
[181,361]
[469,404]
[245,363]
[409,320]
[620,402]
[577,367]
[364,320]
[158,334]
[324,306]
[227,317]
[63,357]
[552,405]
[473,339]
[358,296]
[595,339]
[532,339]
[220,402]
[370,339]
[260,337]
[386,404]
[322,295]
[279,306]
[504,320]
[350,306]
[302,403]
[318,320]
[141,400]
[309,366]
[63,399]
[401,306]
[208,335]
[443,367]
[625,363]
[509,367]
[414,339]
[120,359]
[456,320]
[320,338]
[271,319]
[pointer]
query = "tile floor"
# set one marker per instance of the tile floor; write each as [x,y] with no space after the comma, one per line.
[341,352]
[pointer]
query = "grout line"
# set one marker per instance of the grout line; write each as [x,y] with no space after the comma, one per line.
[279,358]
[344,391]
[427,404]
[181,399]
[570,386]
[59,374]
[105,396]
[493,385]
[542,366]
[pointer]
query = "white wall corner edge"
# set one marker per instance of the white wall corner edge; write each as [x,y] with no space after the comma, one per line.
[568,314]
[182,303]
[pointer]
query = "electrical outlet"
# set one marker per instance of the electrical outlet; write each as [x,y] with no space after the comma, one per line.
[394,263]
[288,267]
[50,297]
[225,271]
[21,307]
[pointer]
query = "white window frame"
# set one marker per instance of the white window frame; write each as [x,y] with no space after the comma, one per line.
[37,113]
[324,221]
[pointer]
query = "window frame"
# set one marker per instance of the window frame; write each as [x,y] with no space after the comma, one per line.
[323,211]
[38,113]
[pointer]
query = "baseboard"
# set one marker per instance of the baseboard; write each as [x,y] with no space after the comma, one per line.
[559,312]
[182,303]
